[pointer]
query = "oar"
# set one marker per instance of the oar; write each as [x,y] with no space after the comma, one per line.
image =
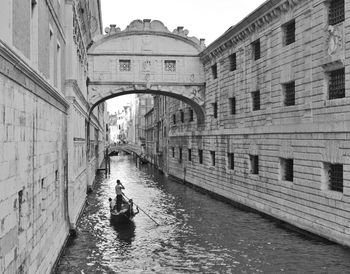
[142,210]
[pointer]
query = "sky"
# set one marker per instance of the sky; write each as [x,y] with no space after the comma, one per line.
[202,18]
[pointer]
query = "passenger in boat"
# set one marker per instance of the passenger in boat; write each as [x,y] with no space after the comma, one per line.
[112,204]
[119,193]
[131,208]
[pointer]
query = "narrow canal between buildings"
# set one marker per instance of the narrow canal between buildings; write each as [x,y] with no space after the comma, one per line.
[197,234]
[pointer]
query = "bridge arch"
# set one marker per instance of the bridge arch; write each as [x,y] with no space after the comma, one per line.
[147,58]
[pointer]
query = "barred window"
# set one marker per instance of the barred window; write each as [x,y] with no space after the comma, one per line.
[256,100]
[174,119]
[256,49]
[336,12]
[337,84]
[212,155]
[289,32]
[254,164]
[215,109]
[233,63]
[182,116]
[287,169]
[180,154]
[191,115]
[289,94]
[232,103]
[334,173]
[124,65]
[189,155]
[200,156]
[173,151]
[231,160]
[214,71]
[170,65]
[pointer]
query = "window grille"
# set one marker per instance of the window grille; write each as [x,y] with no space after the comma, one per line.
[256,49]
[254,164]
[191,115]
[212,154]
[214,71]
[200,156]
[233,63]
[289,30]
[337,84]
[215,109]
[256,100]
[189,154]
[336,12]
[124,65]
[287,170]
[289,94]
[231,160]
[335,173]
[233,105]
[170,65]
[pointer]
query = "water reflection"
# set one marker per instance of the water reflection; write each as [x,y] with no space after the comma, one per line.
[197,234]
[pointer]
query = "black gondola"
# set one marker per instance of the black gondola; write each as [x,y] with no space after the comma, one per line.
[126,214]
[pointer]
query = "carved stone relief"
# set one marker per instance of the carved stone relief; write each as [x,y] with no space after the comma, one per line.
[334,39]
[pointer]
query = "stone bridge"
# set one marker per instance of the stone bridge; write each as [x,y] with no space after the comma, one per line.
[129,148]
[147,58]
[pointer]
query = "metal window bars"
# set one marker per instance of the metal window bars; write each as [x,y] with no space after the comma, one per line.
[233,63]
[335,173]
[289,32]
[289,94]
[336,12]
[337,84]
[256,100]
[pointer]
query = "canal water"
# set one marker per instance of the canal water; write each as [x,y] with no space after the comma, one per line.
[197,234]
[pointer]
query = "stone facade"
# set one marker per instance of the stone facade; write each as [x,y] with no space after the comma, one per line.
[46,163]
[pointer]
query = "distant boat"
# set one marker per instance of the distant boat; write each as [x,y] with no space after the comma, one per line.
[125,215]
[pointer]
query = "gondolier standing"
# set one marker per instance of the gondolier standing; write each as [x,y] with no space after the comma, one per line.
[119,193]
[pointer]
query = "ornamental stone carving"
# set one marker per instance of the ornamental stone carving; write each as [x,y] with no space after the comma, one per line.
[334,39]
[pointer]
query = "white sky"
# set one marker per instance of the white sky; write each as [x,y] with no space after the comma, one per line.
[202,18]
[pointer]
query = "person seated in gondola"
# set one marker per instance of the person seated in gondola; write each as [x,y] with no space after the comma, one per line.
[112,204]
[131,208]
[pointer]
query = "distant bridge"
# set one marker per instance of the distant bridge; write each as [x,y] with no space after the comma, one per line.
[128,148]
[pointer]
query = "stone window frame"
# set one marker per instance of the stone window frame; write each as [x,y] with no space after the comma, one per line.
[170,66]
[233,61]
[326,182]
[212,157]
[230,161]
[256,51]
[286,166]
[328,4]
[328,68]
[232,105]
[214,71]
[124,65]
[286,87]
[254,164]
[256,100]
[286,34]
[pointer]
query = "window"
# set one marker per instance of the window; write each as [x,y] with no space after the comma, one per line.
[215,109]
[287,169]
[124,65]
[232,103]
[334,176]
[289,94]
[170,65]
[20,210]
[191,115]
[256,49]
[52,56]
[174,119]
[189,155]
[59,68]
[336,12]
[173,151]
[212,156]
[182,116]
[233,63]
[214,71]
[180,154]
[200,156]
[289,32]
[256,100]
[231,160]
[336,83]
[254,164]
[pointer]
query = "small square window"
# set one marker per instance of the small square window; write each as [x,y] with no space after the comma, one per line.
[233,63]
[214,71]
[289,94]
[200,156]
[256,100]
[124,65]
[254,164]
[231,160]
[232,103]
[256,49]
[287,169]
[170,65]
[212,155]
[189,155]
[215,109]
[334,176]
[289,32]
[191,115]
[336,84]
[336,12]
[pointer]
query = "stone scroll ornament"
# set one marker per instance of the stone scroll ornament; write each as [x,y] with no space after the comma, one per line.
[196,95]
[334,40]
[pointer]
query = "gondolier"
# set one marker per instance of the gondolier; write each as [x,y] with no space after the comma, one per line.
[118,191]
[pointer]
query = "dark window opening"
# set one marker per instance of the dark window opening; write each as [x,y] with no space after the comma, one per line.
[174,119]
[182,116]
[233,62]
[212,154]
[287,169]
[256,100]
[233,105]
[256,49]
[336,12]
[215,109]
[191,115]
[289,32]
[173,151]
[254,164]
[337,84]
[180,154]
[200,156]
[231,160]
[289,94]
[189,155]
[335,174]
[214,71]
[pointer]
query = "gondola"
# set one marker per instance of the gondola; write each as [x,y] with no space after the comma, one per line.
[125,215]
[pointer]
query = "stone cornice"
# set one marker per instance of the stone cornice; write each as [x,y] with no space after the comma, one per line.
[45,90]
[265,14]
[74,84]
